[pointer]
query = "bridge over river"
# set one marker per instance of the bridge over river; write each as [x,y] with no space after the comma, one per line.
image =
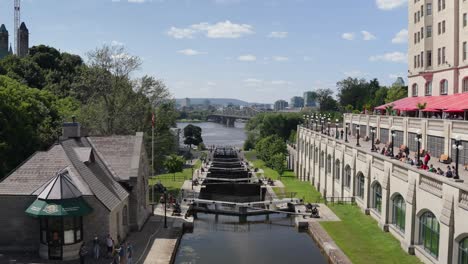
[229,115]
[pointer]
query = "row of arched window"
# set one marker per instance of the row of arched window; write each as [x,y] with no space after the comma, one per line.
[443,87]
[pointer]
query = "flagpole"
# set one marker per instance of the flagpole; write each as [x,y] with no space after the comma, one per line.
[152,146]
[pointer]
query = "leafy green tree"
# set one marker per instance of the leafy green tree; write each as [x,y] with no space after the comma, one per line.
[30,120]
[396,93]
[278,162]
[268,147]
[174,164]
[192,135]
[326,100]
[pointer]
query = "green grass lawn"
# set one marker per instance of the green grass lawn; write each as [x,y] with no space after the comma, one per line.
[362,240]
[172,182]
[357,234]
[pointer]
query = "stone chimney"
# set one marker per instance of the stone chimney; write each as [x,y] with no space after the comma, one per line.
[73,130]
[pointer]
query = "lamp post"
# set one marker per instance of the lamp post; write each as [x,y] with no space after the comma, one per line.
[358,130]
[418,139]
[165,208]
[391,142]
[329,123]
[373,136]
[305,120]
[336,129]
[192,176]
[346,133]
[321,124]
[457,146]
[316,124]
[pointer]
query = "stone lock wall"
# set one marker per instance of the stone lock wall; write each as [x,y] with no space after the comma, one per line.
[325,162]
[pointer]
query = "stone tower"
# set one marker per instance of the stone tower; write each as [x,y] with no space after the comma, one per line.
[23,37]
[3,41]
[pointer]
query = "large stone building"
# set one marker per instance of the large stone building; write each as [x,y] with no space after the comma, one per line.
[23,43]
[4,44]
[109,173]
[426,212]
[437,55]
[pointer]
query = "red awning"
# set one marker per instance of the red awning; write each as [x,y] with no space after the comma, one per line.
[447,103]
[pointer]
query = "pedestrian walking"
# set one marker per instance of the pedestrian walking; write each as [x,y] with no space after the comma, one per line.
[123,253]
[129,253]
[96,248]
[110,245]
[83,252]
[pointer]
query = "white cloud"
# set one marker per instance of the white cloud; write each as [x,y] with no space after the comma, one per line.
[307,58]
[211,83]
[401,37]
[390,4]
[247,58]
[225,29]
[366,35]
[137,1]
[117,43]
[348,36]
[390,57]
[281,82]
[278,34]
[252,82]
[280,58]
[190,52]
[181,33]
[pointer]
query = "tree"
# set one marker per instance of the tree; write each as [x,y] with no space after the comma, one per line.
[421,107]
[326,100]
[30,120]
[192,135]
[389,109]
[396,93]
[270,146]
[278,162]
[174,164]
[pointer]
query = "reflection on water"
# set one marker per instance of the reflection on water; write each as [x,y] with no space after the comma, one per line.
[218,134]
[227,241]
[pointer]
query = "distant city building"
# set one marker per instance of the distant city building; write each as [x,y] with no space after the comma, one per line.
[185,102]
[399,82]
[297,102]
[4,51]
[23,44]
[280,105]
[310,100]
[262,107]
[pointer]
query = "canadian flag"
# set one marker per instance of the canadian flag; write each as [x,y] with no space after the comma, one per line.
[152,120]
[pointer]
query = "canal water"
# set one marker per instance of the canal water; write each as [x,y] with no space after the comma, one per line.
[225,240]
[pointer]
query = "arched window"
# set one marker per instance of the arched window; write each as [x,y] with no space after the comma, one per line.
[399,212]
[429,233]
[377,197]
[125,216]
[415,90]
[337,170]
[360,185]
[443,87]
[428,90]
[329,163]
[463,251]
[322,159]
[465,85]
[347,177]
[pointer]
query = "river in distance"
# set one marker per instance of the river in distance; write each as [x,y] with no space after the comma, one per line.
[225,240]
[220,135]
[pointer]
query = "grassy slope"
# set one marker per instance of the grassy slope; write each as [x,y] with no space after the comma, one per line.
[357,235]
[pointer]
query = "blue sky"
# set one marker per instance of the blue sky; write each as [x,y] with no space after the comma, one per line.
[255,50]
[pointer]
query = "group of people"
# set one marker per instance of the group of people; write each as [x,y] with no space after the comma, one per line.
[404,156]
[119,253]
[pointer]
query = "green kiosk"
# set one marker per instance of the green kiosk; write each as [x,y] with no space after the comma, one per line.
[60,208]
